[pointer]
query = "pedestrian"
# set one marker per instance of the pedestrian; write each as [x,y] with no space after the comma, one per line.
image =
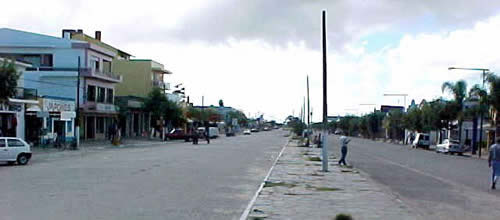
[343,141]
[494,162]
[195,136]
[207,134]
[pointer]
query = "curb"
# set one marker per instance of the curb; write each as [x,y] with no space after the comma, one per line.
[245,214]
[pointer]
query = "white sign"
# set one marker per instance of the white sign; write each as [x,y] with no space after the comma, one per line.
[54,105]
[105,107]
[67,116]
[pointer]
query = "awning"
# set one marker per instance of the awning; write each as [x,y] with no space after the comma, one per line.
[23,101]
[33,108]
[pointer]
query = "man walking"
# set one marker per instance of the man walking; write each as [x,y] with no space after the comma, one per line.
[494,162]
[343,142]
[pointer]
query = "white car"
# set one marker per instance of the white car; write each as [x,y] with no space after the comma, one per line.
[14,149]
[421,140]
[247,132]
[450,147]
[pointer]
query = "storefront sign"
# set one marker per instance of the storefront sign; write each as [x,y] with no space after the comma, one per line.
[105,107]
[42,114]
[67,116]
[54,105]
[134,104]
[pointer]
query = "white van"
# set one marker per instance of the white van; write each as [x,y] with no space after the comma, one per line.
[213,132]
[421,140]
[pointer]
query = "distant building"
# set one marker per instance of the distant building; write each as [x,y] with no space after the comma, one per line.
[388,108]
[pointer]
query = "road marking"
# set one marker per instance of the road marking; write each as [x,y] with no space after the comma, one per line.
[245,214]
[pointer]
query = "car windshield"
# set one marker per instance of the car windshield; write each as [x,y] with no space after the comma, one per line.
[235,109]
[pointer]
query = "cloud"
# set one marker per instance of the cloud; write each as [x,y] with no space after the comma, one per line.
[281,22]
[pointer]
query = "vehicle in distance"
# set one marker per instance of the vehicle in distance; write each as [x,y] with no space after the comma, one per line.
[421,140]
[213,132]
[266,129]
[450,147]
[178,134]
[254,130]
[14,150]
[247,132]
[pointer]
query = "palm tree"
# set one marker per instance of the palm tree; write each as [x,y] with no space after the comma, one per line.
[476,94]
[494,99]
[459,92]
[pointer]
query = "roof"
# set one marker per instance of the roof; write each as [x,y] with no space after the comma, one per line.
[84,37]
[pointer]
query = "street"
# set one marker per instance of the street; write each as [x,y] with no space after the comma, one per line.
[175,180]
[435,185]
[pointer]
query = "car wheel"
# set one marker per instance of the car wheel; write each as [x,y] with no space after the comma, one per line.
[460,154]
[22,159]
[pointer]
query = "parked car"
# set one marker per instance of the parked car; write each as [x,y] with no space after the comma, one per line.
[14,150]
[450,147]
[267,129]
[213,132]
[247,132]
[421,140]
[178,134]
[254,130]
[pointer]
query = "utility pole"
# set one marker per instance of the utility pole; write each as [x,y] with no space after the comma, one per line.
[308,105]
[304,107]
[77,120]
[325,108]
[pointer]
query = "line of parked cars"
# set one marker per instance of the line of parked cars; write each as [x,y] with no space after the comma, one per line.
[448,146]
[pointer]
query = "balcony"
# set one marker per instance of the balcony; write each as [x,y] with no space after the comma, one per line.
[86,72]
[104,75]
[25,93]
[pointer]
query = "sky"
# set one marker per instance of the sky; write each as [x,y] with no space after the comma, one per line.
[255,55]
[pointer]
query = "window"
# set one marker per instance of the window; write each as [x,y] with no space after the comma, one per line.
[100,125]
[95,63]
[106,65]
[101,94]
[91,93]
[14,143]
[109,98]
[33,59]
[2,142]
[46,60]
[69,128]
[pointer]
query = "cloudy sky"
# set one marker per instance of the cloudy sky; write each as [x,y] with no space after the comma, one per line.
[256,54]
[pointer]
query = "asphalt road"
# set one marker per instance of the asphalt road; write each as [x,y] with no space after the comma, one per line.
[175,180]
[437,186]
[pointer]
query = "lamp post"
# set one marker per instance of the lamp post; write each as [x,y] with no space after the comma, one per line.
[480,112]
[396,94]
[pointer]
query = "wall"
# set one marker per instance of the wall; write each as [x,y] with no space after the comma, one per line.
[136,77]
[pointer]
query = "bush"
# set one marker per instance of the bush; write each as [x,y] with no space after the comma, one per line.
[343,217]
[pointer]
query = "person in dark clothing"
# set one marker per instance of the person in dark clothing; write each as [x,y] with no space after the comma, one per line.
[195,136]
[343,141]
[207,134]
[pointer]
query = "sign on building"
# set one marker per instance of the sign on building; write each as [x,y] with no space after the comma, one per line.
[67,116]
[55,105]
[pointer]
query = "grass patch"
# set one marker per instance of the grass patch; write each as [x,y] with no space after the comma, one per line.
[323,189]
[313,159]
[273,184]
[343,216]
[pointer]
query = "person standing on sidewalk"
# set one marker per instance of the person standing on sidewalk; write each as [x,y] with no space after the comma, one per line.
[494,162]
[343,142]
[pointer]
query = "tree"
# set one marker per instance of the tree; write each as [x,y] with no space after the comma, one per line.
[393,123]
[8,80]
[163,109]
[221,103]
[494,99]
[459,92]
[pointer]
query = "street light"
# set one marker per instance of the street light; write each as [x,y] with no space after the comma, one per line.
[481,112]
[396,94]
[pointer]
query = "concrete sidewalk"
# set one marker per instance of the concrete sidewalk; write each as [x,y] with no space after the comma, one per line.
[101,144]
[297,189]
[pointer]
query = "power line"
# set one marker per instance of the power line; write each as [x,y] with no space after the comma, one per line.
[50,83]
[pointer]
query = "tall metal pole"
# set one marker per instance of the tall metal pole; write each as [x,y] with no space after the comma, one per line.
[77,121]
[308,106]
[481,122]
[325,108]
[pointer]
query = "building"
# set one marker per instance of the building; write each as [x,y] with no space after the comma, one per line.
[56,64]
[140,77]
[98,110]
[388,108]
[13,110]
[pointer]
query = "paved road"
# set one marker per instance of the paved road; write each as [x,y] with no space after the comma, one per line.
[171,181]
[436,185]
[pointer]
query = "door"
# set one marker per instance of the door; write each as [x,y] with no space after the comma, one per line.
[4,151]
[90,126]
[15,147]
[60,129]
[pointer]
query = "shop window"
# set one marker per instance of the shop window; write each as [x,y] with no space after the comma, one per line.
[46,60]
[100,125]
[91,93]
[101,94]
[109,95]
[69,127]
